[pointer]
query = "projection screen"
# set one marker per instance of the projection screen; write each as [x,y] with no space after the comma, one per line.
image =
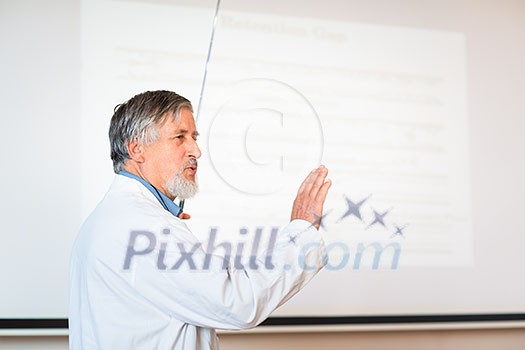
[415,108]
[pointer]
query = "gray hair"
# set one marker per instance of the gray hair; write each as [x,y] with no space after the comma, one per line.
[138,119]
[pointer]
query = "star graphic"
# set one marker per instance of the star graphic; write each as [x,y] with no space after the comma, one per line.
[399,231]
[319,220]
[292,239]
[379,218]
[353,208]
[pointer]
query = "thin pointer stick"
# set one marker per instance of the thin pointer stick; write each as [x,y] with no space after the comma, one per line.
[181,203]
[208,59]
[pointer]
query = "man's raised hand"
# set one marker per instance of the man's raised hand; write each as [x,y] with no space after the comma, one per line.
[308,204]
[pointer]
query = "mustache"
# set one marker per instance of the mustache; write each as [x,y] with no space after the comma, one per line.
[192,162]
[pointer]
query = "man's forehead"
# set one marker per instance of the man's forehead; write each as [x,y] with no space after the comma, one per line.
[184,124]
[185,131]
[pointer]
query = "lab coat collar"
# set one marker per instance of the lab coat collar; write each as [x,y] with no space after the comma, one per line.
[166,203]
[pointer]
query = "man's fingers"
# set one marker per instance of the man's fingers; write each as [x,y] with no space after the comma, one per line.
[319,181]
[312,179]
[305,186]
[323,191]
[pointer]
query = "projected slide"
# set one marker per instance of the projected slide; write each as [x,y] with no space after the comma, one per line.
[384,108]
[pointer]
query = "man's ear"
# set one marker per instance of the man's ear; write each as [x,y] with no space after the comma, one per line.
[136,151]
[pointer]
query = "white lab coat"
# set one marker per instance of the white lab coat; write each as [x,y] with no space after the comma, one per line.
[144,307]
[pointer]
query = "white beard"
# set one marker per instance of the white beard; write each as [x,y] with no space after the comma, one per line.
[181,188]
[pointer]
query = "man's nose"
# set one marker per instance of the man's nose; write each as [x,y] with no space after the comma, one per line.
[194,151]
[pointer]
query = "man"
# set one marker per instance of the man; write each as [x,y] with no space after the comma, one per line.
[140,279]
